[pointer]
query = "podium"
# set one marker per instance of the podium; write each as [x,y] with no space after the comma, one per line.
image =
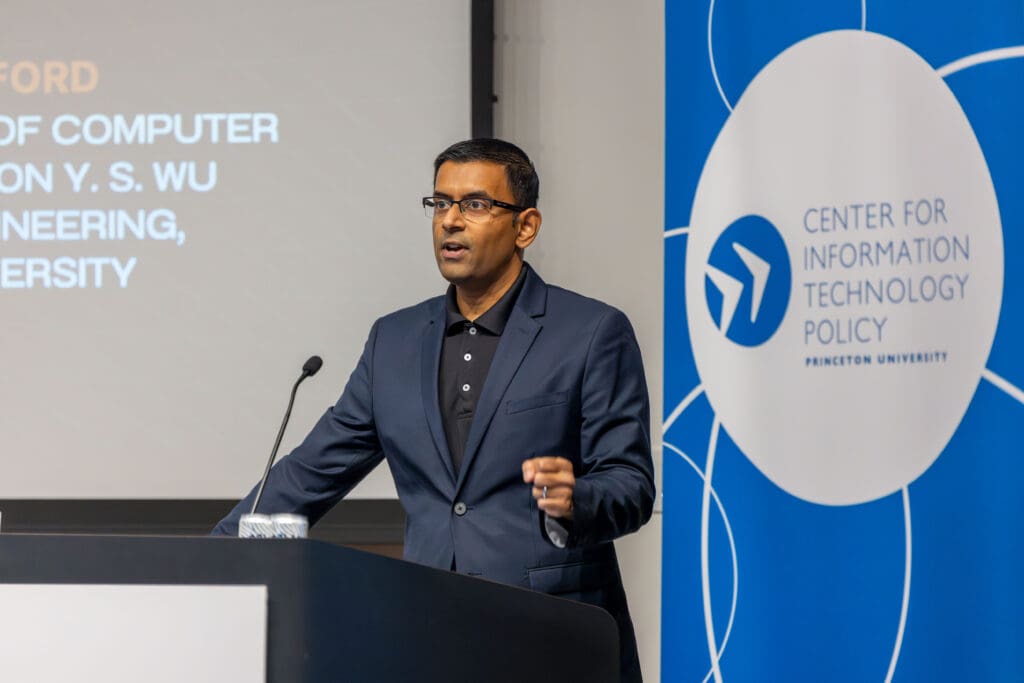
[338,614]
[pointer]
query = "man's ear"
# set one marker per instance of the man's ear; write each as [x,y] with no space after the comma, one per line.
[527,226]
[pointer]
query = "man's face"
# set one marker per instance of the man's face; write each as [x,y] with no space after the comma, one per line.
[475,254]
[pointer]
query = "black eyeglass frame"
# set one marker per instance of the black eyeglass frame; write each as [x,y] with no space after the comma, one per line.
[493,202]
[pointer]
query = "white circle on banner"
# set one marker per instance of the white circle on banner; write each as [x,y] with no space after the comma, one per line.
[849,172]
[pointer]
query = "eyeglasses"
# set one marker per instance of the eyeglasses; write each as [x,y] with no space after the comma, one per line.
[474,209]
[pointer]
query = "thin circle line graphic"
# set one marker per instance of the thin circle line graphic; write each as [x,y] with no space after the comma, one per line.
[675,232]
[980,58]
[732,550]
[711,58]
[679,409]
[1000,384]
[906,588]
[705,570]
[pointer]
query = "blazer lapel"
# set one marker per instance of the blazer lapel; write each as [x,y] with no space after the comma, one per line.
[430,358]
[520,331]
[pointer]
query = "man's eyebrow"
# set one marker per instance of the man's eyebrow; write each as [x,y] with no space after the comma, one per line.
[475,194]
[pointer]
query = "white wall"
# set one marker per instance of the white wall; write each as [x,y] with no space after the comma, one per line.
[581,89]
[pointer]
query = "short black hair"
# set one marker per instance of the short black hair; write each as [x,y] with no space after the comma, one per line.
[519,171]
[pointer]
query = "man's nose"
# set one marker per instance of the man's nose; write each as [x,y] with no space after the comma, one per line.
[453,219]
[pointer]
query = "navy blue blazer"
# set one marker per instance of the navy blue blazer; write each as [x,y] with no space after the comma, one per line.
[566,379]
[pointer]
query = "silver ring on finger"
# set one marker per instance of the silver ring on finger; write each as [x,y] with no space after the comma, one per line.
[544,492]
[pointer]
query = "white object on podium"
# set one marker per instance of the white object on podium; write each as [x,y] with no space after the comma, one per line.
[130,633]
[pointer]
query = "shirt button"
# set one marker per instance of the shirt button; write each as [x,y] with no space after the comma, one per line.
[468,356]
[465,387]
[472,330]
[460,508]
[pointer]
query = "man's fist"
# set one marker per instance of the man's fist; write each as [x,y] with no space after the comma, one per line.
[553,484]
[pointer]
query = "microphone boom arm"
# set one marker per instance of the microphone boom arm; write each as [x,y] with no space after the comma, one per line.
[308,370]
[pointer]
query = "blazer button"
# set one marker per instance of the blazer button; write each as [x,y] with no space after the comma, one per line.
[460,508]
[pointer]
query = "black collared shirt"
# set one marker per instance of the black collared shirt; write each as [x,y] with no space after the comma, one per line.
[466,354]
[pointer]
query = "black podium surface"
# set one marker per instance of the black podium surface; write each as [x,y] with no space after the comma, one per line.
[338,614]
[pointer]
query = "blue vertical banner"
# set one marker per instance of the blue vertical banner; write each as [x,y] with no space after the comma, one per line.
[844,318]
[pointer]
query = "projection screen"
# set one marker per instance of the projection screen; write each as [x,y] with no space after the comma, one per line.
[197,196]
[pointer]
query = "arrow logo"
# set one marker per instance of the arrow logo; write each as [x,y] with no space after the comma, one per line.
[748,269]
[732,289]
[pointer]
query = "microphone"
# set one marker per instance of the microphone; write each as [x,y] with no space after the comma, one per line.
[309,368]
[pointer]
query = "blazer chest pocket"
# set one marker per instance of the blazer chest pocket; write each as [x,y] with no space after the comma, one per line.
[534,402]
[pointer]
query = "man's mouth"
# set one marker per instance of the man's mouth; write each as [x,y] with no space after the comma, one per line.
[450,248]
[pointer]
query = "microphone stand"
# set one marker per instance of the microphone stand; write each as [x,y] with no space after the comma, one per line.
[280,434]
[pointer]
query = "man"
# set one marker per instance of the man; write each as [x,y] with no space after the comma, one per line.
[514,415]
